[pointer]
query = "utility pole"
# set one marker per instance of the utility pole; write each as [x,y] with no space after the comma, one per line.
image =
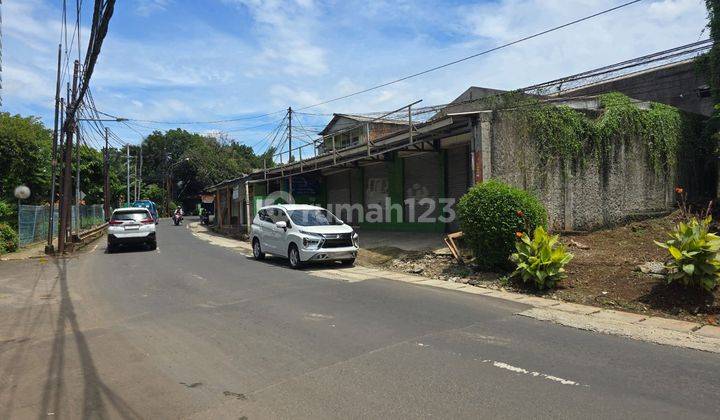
[139,194]
[67,170]
[77,180]
[49,247]
[127,198]
[290,189]
[63,145]
[106,178]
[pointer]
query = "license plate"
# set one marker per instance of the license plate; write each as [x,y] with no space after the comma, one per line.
[132,227]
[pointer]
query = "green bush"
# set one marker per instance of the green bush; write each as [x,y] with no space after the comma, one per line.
[6,212]
[490,215]
[694,254]
[8,239]
[540,259]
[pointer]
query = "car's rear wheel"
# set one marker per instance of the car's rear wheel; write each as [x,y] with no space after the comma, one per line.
[257,251]
[152,245]
[110,248]
[294,257]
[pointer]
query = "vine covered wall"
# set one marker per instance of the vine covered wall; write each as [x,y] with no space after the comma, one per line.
[592,167]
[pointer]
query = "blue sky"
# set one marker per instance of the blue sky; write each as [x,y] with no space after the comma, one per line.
[183,60]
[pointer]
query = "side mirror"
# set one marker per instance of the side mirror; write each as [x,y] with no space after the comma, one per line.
[281,225]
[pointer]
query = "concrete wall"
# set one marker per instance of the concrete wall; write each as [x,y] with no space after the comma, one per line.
[677,84]
[600,193]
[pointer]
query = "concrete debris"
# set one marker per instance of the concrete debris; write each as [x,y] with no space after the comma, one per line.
[652,268]
[578,245]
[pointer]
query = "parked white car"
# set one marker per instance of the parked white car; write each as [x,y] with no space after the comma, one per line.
[131,225]
[302,233]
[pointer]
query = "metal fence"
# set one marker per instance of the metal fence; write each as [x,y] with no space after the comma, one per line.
[33,221]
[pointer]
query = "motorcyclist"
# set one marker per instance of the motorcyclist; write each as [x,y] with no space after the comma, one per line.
[178,214]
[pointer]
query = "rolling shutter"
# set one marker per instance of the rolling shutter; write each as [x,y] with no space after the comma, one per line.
[376,182]
[338,192]
[422,180]
[458,177]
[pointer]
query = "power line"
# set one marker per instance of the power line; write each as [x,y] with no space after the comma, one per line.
[197,122]
[401,79]
[508,44]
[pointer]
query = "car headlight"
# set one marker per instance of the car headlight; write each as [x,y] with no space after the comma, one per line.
[356,240]
[311,240]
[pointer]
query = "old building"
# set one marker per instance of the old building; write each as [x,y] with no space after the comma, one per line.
[396,174]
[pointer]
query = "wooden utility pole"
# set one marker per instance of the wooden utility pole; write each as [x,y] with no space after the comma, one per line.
[67,170]
[49,249]
[106,178]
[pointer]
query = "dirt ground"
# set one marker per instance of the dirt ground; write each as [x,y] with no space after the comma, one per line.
[603,273]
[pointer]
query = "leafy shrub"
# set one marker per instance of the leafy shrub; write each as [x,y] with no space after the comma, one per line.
[6,211]
[490,214]
[8,239]
[541,260]
[694,254]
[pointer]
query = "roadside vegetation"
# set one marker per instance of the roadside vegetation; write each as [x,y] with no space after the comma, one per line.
[25,159]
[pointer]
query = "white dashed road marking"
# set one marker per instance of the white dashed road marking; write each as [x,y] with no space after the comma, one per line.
[511,368]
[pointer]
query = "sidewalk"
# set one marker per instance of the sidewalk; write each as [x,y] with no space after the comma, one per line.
[653,329]
[31,251]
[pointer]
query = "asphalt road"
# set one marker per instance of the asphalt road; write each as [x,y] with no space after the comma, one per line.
[197,331]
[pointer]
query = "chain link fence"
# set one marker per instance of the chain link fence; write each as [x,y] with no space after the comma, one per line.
[33,221]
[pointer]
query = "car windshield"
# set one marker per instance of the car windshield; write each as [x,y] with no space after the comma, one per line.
[136,215]
[313,217]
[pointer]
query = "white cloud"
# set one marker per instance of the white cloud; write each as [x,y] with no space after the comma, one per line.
[285,34]
[267,55]
[146,8]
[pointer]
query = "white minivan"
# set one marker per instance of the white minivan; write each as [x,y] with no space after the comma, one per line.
[302,233]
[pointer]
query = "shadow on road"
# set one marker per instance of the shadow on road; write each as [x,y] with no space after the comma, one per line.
[95,392]
[26,324]
[284,263]
[129,248]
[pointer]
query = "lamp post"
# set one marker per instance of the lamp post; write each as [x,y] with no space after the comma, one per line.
[22,192]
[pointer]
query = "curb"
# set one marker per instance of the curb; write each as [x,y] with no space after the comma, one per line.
[654,329]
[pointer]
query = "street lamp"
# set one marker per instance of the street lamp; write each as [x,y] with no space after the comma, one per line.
[22,192]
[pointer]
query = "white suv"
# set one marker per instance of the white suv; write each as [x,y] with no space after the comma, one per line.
[302,233]
[131,225]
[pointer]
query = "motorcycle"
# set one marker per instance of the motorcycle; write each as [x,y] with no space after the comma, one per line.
[205,219]
[177,218]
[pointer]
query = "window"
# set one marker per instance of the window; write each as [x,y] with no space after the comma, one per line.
[263,215]
[278,215]
[135,215]
[319,217]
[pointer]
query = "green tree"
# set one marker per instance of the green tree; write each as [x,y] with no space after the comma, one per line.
[25,149]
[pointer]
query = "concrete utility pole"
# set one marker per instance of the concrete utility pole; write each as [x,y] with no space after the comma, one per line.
[67,170]
[290,189]
[77,180]
[127,198]
[135,179]
[106,178]
[49,249]
[139,180]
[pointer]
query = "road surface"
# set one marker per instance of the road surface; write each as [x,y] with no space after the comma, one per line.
[192,330]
